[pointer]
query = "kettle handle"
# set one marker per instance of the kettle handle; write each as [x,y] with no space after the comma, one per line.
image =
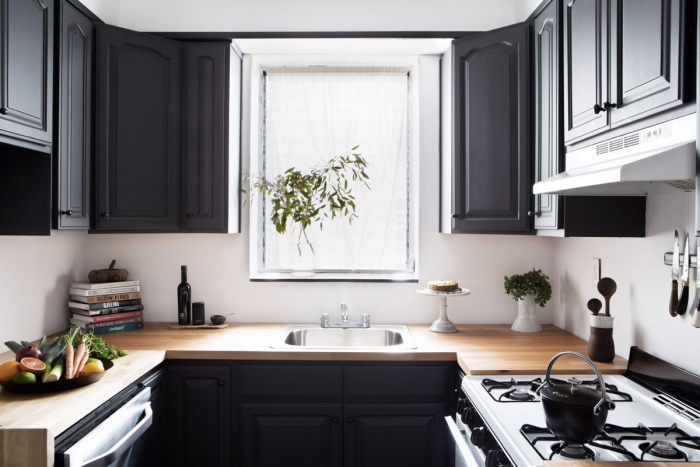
[596,409]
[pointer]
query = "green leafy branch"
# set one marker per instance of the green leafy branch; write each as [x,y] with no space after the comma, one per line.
[308,196]
[535,283]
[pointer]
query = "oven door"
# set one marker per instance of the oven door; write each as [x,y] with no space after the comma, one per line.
[464,456]
[109,443]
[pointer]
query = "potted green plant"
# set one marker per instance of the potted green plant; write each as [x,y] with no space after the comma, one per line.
[301,198]
[528,289]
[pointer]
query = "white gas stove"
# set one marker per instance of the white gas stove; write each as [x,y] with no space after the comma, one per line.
[502,420]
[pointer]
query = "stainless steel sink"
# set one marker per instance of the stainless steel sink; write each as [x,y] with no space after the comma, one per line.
[310,336]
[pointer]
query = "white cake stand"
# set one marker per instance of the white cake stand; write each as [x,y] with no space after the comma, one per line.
[442,324]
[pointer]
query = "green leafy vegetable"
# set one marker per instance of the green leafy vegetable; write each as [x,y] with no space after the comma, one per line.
[95,345]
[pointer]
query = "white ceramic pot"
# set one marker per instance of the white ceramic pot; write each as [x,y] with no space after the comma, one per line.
[526,320]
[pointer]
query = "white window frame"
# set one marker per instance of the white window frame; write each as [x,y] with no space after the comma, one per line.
[259,63]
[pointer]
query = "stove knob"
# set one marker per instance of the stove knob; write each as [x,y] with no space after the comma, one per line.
[461,405]
[492,459]
[468,416]
[478,437]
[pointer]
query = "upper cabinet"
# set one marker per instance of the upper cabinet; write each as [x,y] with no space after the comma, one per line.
[26,73]
[491,184]
[137,173]
[624,60]
[72,142]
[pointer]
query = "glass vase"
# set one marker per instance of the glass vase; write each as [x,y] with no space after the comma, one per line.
[303,259]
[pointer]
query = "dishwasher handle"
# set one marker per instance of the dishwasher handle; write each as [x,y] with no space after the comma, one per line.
[466,458]
[125,443]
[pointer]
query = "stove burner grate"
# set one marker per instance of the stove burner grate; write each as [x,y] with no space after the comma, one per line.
[662,450]
[521,388]
[572,451]
[517,395]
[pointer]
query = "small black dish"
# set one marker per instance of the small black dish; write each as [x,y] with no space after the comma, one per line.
[217,319]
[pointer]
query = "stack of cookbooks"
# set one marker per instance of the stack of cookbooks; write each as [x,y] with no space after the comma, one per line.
[105,308]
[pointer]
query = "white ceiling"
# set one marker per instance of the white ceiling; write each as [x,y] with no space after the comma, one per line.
[343,46]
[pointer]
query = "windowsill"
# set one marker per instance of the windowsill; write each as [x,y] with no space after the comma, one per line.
[334,277]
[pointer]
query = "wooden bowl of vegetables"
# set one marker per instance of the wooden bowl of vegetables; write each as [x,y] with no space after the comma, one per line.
[67,362]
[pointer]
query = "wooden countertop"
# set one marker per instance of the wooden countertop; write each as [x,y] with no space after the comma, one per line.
[28,422]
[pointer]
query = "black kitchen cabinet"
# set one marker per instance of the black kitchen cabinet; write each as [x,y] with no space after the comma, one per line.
[401,435]
[624,60]
[73,142]
[26,74]
[292,434]
[138,160]
[344,414]
[205,136]
[199,415]
[492,183]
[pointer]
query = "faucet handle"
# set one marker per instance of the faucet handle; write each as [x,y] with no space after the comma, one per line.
[365,318]
[324,319]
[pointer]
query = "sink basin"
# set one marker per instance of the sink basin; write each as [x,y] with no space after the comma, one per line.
[312,336]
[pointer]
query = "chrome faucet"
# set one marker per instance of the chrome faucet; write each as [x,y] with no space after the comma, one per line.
[344,322]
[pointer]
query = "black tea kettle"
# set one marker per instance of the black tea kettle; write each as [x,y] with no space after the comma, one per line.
[575,414]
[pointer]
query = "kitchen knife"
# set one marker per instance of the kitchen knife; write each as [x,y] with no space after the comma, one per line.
[696,317]
[683,301]
[675,273]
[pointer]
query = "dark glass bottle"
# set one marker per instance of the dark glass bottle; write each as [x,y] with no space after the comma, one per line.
[184,299]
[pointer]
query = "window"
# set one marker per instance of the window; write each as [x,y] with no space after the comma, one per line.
[307,115]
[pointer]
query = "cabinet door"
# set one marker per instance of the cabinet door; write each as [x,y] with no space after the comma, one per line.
[292,435]
[492,180]
[205,137]
[395,435]
[73,145]
[199,410]
[585,28]
[138,132]
[645,57]
[26,71]
[548,152]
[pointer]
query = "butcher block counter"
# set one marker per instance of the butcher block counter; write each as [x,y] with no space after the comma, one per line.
[28,423]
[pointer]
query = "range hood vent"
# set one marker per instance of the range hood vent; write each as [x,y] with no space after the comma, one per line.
[625,165]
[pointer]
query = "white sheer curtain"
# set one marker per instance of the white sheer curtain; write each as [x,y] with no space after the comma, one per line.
[312,114]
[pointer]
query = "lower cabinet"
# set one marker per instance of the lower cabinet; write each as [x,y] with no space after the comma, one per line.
[198,415]
[291,435]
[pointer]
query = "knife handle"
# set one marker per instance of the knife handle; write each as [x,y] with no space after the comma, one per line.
[673,305]
[683,302]
[696,316]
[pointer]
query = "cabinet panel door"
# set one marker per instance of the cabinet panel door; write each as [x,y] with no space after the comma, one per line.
[205,137]
[292,435]
[548,152]
[492,184]
[26,74]
[199,411]
[645,61]
[585,67]
[138,131]
[395,435]
[73,147]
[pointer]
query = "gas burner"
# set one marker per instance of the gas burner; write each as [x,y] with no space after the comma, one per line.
[517,395]
[572,451]
[662,450]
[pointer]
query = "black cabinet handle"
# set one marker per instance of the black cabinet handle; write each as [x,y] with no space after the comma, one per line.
[335,420]
[598,109]
[189,215]
[350,420]
[105,215]
[455,216]
[67,213]
[221,383]
[608,106]
[4,111]
[533,213]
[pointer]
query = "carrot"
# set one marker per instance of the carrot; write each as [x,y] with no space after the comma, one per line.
[79,352]
[82,363]
[69,361]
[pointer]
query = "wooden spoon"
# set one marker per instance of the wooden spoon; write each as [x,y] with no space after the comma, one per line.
[594,305]
[607,287]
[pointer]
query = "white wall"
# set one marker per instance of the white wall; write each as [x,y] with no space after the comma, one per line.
[640,305]
[523,8]
[311,15]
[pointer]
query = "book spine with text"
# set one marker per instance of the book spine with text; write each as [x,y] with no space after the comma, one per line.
[115,297]
[101,306]
[113,328]
[92,326]
[106,318]
[106,311]
[104,285]
[91,293]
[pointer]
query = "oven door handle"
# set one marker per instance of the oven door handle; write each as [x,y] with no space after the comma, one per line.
[461,443]
[125,443]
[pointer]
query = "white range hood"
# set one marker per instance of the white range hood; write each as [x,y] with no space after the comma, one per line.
[627,164]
